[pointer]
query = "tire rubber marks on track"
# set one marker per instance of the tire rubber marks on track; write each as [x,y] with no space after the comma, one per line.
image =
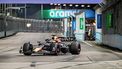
[7,50]
[70,58]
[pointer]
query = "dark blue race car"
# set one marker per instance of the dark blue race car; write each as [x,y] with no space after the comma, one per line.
[51,47]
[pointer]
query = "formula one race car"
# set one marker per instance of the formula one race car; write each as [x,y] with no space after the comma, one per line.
[51,47]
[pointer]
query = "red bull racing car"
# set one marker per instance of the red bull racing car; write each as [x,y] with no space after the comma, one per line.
[54,46]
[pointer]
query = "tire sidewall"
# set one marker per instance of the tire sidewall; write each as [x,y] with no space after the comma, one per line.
[75,48]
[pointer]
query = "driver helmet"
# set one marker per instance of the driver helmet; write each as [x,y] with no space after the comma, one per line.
[54,37]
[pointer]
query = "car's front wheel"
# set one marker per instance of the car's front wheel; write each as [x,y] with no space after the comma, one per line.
[27,49]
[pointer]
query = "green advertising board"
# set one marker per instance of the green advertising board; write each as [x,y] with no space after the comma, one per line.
[109,20]
[81,23]
[58,13]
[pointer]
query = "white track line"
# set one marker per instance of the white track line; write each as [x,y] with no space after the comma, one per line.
[87,43]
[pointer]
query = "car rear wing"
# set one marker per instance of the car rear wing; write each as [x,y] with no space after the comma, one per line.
[67,39]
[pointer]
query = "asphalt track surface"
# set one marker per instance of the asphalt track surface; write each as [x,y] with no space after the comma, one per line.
[11,59]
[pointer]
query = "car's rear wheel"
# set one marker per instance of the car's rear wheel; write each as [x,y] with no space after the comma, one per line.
[75,48]
[27,49]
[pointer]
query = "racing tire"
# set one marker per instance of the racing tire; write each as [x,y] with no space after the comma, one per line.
[75,48]
[27,49]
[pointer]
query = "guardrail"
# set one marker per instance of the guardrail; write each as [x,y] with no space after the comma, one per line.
[13,25]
